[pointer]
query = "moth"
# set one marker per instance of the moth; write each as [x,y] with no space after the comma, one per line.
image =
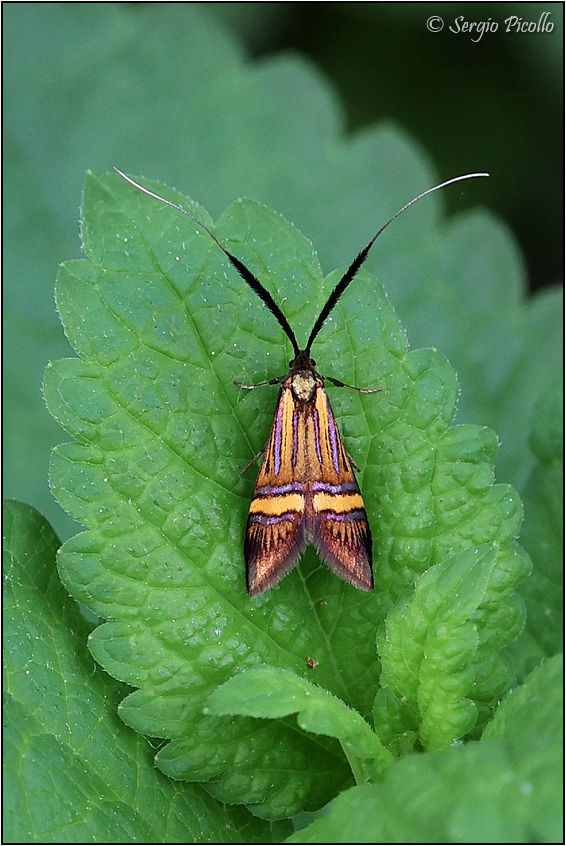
[306,492]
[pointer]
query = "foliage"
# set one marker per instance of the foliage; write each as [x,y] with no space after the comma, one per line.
[161,90]
[507,788]
[162,325]
[73,773]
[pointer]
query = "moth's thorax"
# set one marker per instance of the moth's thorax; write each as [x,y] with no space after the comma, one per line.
[304,384]
[303,378]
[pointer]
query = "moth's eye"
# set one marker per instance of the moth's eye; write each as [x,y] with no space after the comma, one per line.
[313,362]
[291,362]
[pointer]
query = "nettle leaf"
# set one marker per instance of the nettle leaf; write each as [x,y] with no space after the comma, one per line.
[543,535]
[429,644]
[480,793]
[437,649]
[535,708]
[163,325]
[271,767]
[465,294]
[506,788]
[272,693]
[72,771]
[459,284]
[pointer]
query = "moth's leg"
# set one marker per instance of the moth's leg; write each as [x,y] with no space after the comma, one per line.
[340,384]
[275,381]
[352,462]
[254,459]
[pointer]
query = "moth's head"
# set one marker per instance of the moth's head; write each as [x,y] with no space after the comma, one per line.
[302,361]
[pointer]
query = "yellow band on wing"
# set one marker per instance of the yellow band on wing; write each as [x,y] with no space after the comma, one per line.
[339,503]
[273,506]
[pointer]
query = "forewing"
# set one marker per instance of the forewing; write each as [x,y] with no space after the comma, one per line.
[340,529]
[275,536]
[306,492]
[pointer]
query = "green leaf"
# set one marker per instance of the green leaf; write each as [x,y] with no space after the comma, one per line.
[163,325]
[273,130]
[535,708]
[437,649]
[248,760]
[443,639]
[543,536]
[480,793]
[72,771]
[429,643]
[459,286]
[269,766]
[508,788]
[271,693]
[466,296]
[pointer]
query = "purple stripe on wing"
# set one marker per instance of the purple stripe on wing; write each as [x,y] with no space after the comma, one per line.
[295,435]
[280,490]
[333,438]
[317,434]
[278,427]
[264,520]
[325,487]
[347,516]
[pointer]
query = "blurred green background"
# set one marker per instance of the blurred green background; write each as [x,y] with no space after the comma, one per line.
[496,104]
[192,94]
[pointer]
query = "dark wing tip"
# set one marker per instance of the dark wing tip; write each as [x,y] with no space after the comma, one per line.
[271,550]
[346,547]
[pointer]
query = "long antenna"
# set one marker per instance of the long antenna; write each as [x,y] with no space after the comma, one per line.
[246,274]
[361,257]
[264,294]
